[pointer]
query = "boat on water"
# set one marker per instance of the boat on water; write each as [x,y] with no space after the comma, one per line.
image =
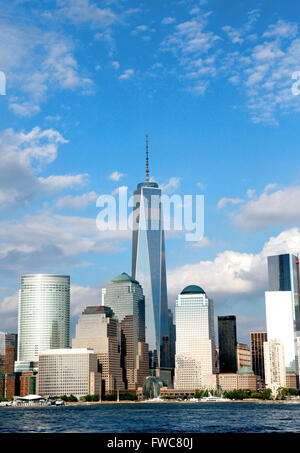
[59,403]
[214,399]
[154,400]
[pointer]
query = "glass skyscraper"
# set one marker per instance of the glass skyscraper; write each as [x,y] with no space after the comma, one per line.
[227,344]
[124,296]
[149,267]
[44,317]
[282,305]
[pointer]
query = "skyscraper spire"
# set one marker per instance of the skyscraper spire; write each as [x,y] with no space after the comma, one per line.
[147,159]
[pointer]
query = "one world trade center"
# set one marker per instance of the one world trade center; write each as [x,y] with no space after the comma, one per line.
[149,266]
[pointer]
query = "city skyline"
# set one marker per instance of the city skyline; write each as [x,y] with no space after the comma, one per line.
[80,95]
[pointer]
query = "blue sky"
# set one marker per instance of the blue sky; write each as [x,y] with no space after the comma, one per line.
[211,81]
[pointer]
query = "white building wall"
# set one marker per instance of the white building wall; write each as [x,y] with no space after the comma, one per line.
[195,342]
[274,358]
[280,319]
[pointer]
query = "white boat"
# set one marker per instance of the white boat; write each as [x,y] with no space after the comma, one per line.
[214,399]
[59,403]
[155,400]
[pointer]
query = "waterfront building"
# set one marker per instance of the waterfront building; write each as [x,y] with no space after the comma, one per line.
[195,340]
[243,379]
[274,359]
[25,383]
[282,305]
[291,378]
[99,329]
[124,295]
[68,372]
[243,359]
[257,352]
[227,344]
[7,358]
[44,317]
[149,266]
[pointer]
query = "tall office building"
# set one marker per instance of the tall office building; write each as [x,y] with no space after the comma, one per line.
[195,340]
[149,265]
[274,359]
[124,296]
[99,329]
[172,332]
[227,344]
[44,317]
[257,353]
[8,348]
[282,305]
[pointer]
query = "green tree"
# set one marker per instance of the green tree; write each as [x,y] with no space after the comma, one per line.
[267,394]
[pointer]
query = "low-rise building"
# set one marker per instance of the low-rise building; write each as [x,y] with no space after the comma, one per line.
[243,379]
[68,372]
[291,378]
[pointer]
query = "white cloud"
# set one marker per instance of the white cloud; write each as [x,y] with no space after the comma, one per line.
[281,29]
[55,183]
[171,185]
[127,74]
[83,296]
[116,176]
[265,70]
[85,11]
[23,156]
[201,185]
[36,62]
[204,242]
[116,64]
[37,242]
[225,201]
[271,209]
[168,20]
[77,202]
[195,49]
[232,273]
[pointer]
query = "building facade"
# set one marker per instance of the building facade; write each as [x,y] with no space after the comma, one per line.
[7,358]
[195,340]
[44,317]
[227,344]
[243,359]
[68,372]
[274,359]
[282,305]
[124,296]
[149,268]
[243,379]
[99,330]
[257,340]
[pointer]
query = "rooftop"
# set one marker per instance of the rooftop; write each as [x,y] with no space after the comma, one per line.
[68,351]
[245,370]
[192,289]
[124,278]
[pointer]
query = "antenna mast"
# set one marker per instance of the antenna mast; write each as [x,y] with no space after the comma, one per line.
[147,159]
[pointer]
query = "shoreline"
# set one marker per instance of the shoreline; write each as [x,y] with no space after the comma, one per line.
[255,401]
